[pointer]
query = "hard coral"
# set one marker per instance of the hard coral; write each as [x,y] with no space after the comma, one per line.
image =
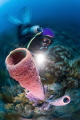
[55,70]
[22,68]
[73,73]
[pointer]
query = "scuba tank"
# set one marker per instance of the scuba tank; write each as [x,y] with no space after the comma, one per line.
[35,29]
[32,30]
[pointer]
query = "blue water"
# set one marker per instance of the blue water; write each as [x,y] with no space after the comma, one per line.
[62,16]
[61,12]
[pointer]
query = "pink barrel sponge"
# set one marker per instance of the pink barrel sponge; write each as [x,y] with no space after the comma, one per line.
[21,67]
[64,100]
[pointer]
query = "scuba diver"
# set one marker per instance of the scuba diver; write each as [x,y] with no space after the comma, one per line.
[31,35]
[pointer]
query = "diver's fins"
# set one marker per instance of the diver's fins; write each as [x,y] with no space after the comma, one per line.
[13,20]
[26,16]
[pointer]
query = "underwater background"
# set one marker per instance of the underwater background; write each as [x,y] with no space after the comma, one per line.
[63,17]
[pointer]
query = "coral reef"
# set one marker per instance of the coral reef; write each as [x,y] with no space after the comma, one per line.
[21,67]
[62,69]
[61,74]
[58,70]
[73,73]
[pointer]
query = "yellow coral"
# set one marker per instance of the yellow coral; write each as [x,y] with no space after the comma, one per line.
[18,105]
[50,78]
[8,106]
[20,98]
